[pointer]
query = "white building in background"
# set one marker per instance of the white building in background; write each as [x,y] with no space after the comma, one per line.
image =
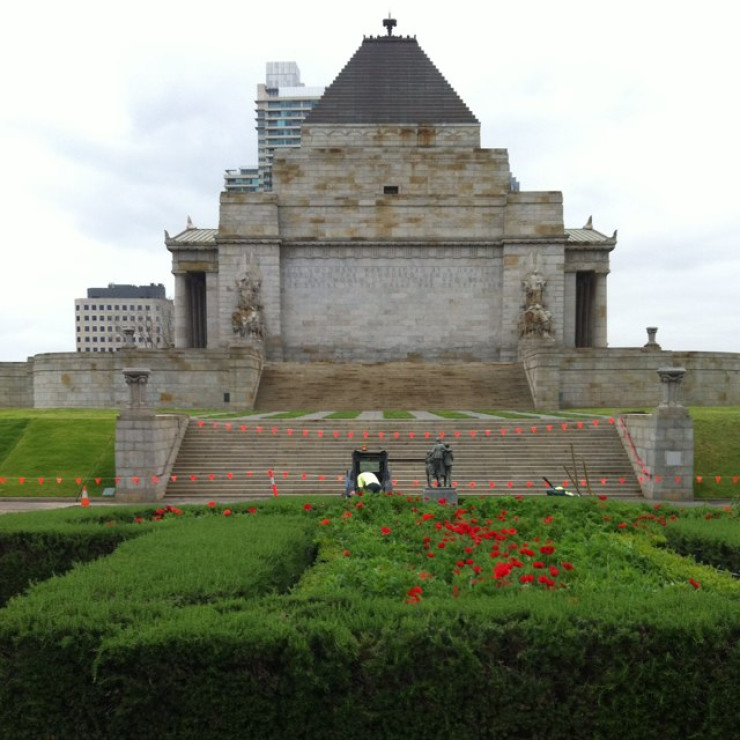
[124,315]
[282,104]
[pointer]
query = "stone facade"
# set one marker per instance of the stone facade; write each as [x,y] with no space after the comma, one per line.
[391,235]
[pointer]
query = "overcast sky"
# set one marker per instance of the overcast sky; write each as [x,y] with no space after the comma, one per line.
[118,120]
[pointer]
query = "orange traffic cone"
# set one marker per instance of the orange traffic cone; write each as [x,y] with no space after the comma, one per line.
[84,500]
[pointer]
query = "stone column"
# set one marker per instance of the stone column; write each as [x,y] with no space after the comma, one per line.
[182,341]
[213,328]
[599,310]
[569,309]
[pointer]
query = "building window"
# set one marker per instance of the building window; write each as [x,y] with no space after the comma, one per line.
[390,189]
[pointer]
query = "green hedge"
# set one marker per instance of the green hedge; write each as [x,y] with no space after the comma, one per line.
[715,541]
[216,622]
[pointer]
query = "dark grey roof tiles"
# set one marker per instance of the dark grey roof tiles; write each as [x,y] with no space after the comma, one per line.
[390,80]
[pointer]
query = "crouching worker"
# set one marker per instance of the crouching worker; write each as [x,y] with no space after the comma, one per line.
[368,482]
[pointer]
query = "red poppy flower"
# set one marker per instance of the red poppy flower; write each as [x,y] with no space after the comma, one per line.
[547,549]
[307,507]
[252,510]
[502,570]
[554,572]
[345,553]
[566,565]
[385,530]
[325,521]
[211,504]
[528,578]
[227,512]
[538,564]
[694,583]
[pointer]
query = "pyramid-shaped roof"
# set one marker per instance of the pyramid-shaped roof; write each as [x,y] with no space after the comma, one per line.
[390,80]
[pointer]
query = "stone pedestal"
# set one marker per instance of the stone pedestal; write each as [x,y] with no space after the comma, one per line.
[664,443]
[146,444]
[448,495]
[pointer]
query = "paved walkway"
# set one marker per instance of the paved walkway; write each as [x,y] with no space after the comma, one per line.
[376,415]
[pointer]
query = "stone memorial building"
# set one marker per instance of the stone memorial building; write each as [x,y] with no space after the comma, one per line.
[391,235]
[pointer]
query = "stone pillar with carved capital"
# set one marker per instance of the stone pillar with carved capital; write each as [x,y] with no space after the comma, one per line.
[670,380]
[136,380]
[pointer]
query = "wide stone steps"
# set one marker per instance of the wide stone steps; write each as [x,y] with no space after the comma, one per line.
[287,386]
[232,458]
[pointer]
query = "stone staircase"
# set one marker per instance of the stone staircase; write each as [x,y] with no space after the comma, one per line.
[230,459]
[287,386]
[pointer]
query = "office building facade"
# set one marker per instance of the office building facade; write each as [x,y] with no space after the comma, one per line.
[282,104]
[119,316]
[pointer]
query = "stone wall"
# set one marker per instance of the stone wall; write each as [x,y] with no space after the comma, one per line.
[16,384]
[582,378]
[220,379]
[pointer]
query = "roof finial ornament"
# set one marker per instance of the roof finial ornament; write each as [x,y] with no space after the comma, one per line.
[389,23]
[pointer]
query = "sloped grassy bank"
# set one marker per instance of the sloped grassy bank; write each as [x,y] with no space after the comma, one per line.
[378,617]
